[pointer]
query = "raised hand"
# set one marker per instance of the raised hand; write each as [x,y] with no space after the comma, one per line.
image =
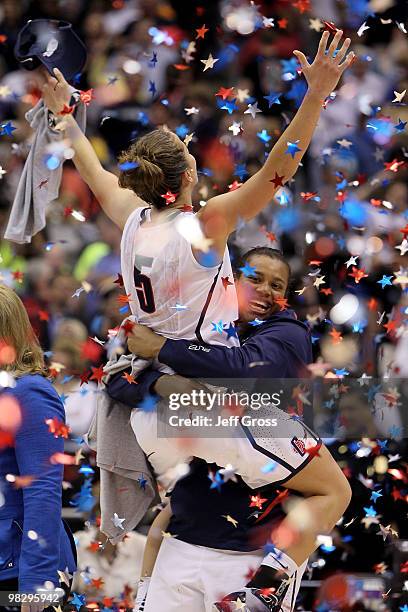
[56,92]
[324,73]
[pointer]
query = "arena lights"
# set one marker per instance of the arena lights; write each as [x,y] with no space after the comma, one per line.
[241,18]
[131,66]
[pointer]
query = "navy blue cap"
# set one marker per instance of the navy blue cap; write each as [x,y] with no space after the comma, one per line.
[50,43]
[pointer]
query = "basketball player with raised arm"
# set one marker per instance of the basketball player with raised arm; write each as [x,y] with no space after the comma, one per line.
[152,203]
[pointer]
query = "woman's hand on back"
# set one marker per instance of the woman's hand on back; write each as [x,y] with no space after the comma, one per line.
[143,342]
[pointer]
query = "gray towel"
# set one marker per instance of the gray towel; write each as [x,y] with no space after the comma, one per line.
[38,186]
[127,487]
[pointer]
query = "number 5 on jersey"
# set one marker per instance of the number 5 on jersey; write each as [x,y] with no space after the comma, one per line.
[144,291]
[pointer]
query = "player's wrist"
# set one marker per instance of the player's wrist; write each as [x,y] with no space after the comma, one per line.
[163,385]
[315,94]
[157,344]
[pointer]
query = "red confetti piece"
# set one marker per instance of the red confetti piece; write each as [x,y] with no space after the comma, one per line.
[58,428]
[282,302]
[84,378]
[6,439]
[393,165]
[336,335]
[127,327]
[169,197]
[225,92]
[18,276]
[271,236]
[390,326]
[119,280]
[397,474]
[302,6]
[129,378]
[404,231]
[329,27]
[277,180]
[235,185]
[308,195]
[258,501]
[358,274]
[67,110]
[97,374]
[43,315]
[201,32]
[94,546]
[124,299]
[91,350]
[86,96]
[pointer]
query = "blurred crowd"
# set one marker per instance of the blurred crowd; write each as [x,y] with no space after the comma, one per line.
[342,223]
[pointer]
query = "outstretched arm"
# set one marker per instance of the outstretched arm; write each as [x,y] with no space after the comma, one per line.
[116,202]
[189,359]
[246,202]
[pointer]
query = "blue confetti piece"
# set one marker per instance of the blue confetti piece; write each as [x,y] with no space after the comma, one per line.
[218,327]
[8,128]
[206,172]
[52,162]
[181,130]
[143,118]
[247,270]
[354,212]
[240,171]
[86,469]
[264,136]
[128,166]
[326,548]
[208,259]
[148,404]
[269,467]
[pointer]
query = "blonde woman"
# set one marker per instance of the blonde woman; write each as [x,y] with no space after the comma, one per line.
[35,545]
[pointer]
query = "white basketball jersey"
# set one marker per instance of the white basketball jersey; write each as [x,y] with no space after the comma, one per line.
[169,290]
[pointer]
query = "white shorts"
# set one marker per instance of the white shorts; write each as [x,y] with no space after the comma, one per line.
[257,456]
[191,578]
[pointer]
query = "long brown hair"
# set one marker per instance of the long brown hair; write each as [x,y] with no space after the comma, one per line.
[16,333]
[153,165]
